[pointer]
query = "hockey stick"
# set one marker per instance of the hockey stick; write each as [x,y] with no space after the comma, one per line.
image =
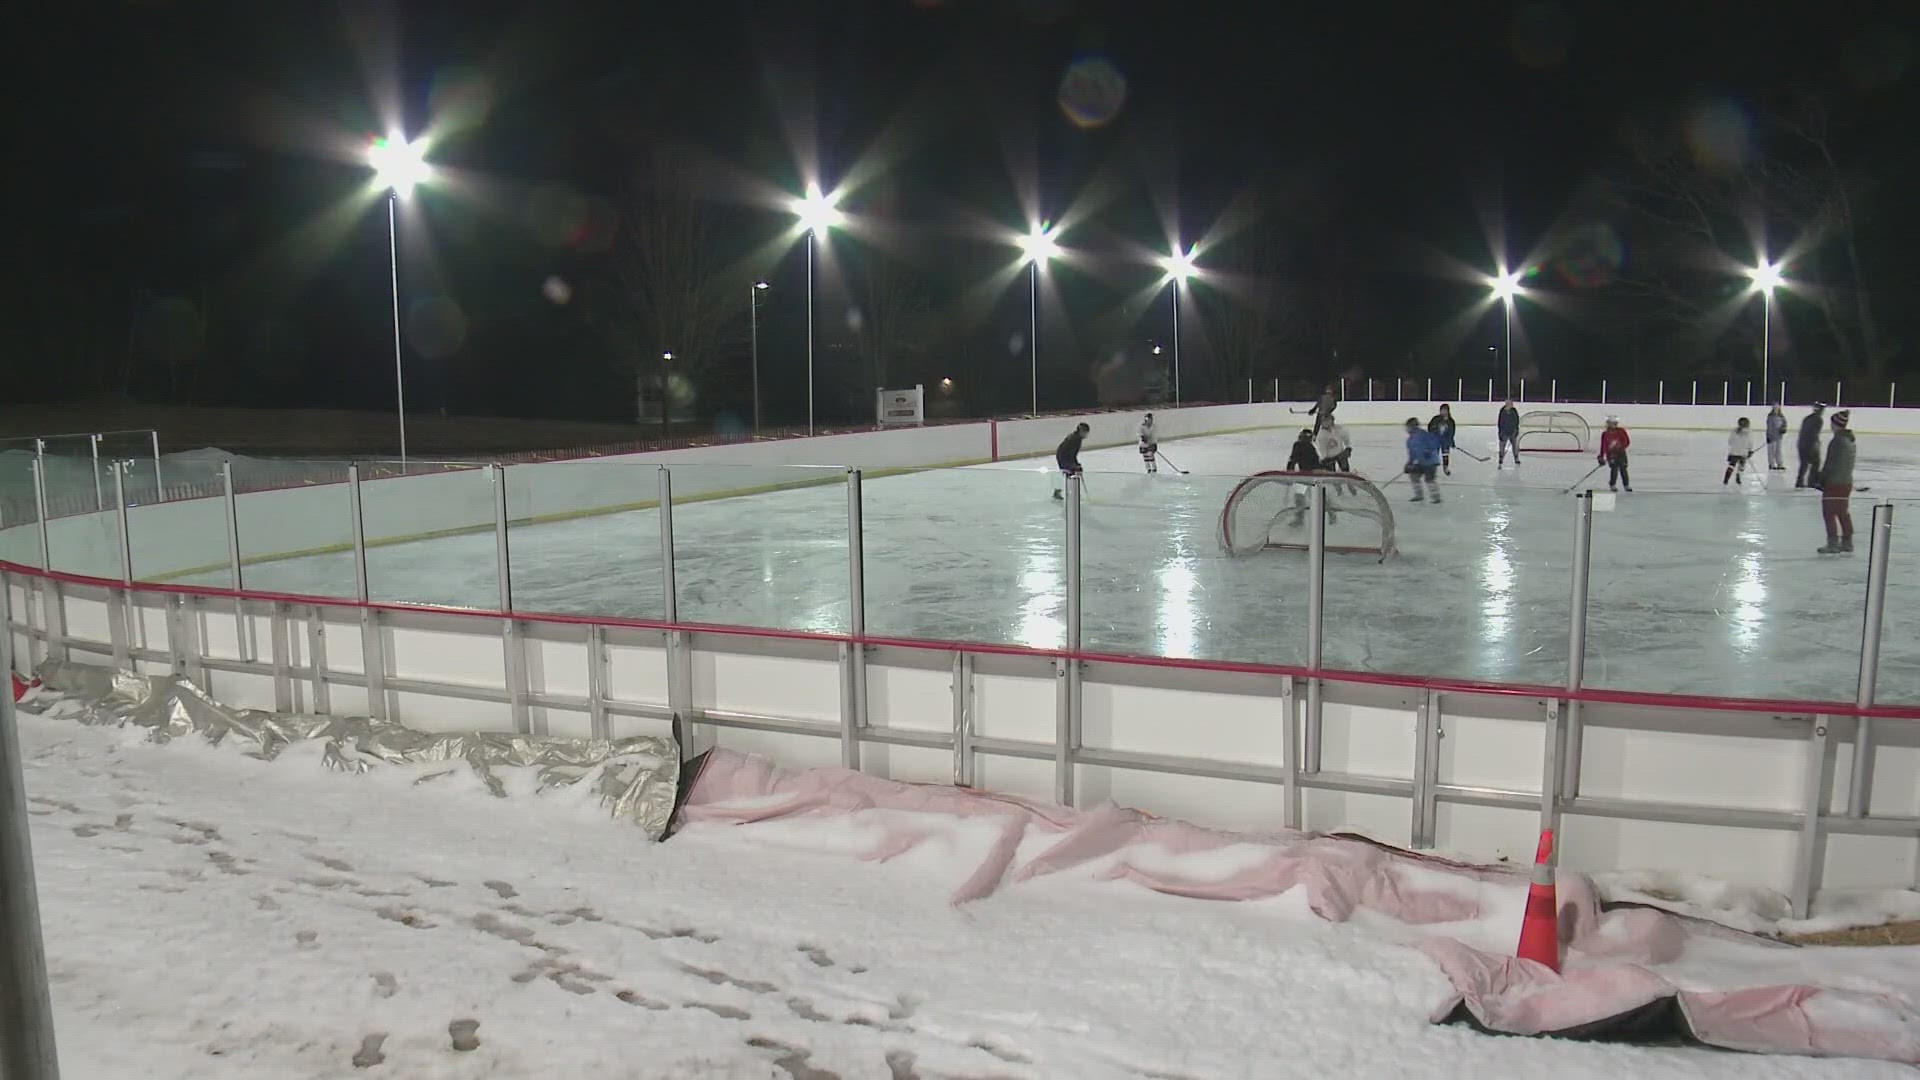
[1582,480]
[1471,454]
[1163,457]
[1303,412]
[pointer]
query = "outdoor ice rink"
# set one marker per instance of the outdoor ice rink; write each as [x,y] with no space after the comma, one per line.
[1696,588]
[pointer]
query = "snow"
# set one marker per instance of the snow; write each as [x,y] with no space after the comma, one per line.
[1756,909]
[1695,587]
[213,915]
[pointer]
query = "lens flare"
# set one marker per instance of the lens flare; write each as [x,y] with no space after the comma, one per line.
[1092,92]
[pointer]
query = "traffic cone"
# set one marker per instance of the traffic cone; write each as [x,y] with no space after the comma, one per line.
[1540,927]
[21,686]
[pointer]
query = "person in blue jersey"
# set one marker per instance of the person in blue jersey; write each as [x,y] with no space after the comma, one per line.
[1423,460]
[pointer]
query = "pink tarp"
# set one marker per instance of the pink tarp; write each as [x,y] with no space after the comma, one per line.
[1608,990]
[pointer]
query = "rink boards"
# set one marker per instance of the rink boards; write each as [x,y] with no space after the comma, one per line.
[1744,791]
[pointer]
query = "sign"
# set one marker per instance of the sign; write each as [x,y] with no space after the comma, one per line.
[903,408]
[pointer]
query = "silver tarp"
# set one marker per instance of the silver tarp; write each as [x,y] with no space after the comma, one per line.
[637,778]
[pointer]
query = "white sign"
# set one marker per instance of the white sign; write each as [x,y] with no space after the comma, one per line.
[903,408]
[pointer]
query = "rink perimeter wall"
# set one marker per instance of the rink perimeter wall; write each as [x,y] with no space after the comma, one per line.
[1748,791]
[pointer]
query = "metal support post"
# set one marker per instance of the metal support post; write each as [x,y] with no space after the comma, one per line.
[99,496]
[1460,390]
[1810,855]
[372,652]
[1523,391]
[1290,734]
[1553,391]
[963,756]
[1890,389]
[1577,637]
[598,726]
[52,605]
[120,521]
[1369,388]
[1066,704]
[1603,391]
[1422,789]
[1429,388]
[1726,397]
[1836,395]
[1881,540]
[1696,392]
[1550,770]
[231,503]
[1749,393]
[855,715]
[124,636]
[1316,614]
[317,660]
[26,1045]
[1660,392]
[280,641]
[513,649]
[679,662]
[158,484]
[1489,391]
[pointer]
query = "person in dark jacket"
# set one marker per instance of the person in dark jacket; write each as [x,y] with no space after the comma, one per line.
[1809,447]
[1067,455]
[1509,427]
[1305,456]
[1442,425]
[1836,487]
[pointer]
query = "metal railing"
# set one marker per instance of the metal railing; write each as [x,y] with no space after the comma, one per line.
[1557,391]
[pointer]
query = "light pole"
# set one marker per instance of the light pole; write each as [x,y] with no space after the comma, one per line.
[816,212]
[1766,278]
[1038,246]
[1179,267]
[753,308]
[1506,287]
[397,166]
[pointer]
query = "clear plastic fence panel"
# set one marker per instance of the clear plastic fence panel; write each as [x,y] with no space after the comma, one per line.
[968,555]
[184,539]
[1899,681]
[1158,580]
[430,534]
[19,511]
[134,449]
[296,528]
[763,546]
[83,533]
[1477,590]
[583,538]
[1724,594]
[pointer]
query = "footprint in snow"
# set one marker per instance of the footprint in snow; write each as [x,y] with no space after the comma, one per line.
[465,1035]
[369,1053]
[385,985]
[501,889]
[332,863]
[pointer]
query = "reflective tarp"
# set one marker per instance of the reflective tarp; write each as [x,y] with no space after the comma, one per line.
[637,778]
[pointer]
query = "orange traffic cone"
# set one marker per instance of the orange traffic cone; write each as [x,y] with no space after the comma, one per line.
[1540,927]
[21,686]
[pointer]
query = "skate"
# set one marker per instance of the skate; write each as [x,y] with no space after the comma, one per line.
[1629,489]
[1436,498]
[1610,487]
[1418,496]
[1846,547]
[1832,547]
[1059,496]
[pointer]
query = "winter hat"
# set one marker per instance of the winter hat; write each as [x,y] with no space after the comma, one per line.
[1613,419]
[1819,405]
[1840,418]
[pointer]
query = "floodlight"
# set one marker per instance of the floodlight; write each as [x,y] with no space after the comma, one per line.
[397,164]
[1179,265]
[1039,245]
[817,211]
[1766,277]
[1506,286]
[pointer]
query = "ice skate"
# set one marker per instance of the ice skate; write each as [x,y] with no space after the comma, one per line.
[1059,496]
[1832,547]
[1418,496]
[1846,547]
[1436,498]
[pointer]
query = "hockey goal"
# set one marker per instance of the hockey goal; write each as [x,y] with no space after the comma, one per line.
[1553,431]
[1269,510]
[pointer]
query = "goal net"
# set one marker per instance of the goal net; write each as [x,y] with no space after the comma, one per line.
[1555,431]
[1269,510]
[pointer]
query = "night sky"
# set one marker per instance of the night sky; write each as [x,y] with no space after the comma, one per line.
[190,225]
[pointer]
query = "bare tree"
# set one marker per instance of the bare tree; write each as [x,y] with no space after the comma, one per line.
[1699,213]
[674,292]
[896,323]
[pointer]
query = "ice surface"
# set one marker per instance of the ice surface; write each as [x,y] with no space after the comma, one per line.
[1696,587]
[212,915]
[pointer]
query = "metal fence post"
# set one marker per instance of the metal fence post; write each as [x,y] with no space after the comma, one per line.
[685,731]
[1696,391]
[513,650]
[1603,391]
[1290,734]
[1749,401]
[158,484]
[120,520]
[1890,389]
[1523,391]
[231,503]
[854,715]
[1316,612]
[99,496]
[1065,683]
[1577,637]
[1809,853]
[1553,391]
[27,1050]
[1881,538]
[1836,395]
[1429,388]
[1489,391]
[49,590]
[1660,392]
[1460,390]
[1369,388]
[373,654]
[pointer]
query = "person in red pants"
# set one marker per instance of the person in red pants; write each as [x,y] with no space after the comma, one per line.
[1613,453]
[1836,487]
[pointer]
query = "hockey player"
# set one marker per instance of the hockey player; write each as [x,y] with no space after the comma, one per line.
[1836,487]
[1067,454]
[1335,447]
[1423,460]
[1305,457]
[1323,409]
[1739,449]
[1442,426]
[1776,439]
[1149,445]
[1809,447]
[1509,428]
[1614,441]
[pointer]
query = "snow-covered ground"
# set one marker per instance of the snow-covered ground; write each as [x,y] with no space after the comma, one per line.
[212,915]
[1696,587]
